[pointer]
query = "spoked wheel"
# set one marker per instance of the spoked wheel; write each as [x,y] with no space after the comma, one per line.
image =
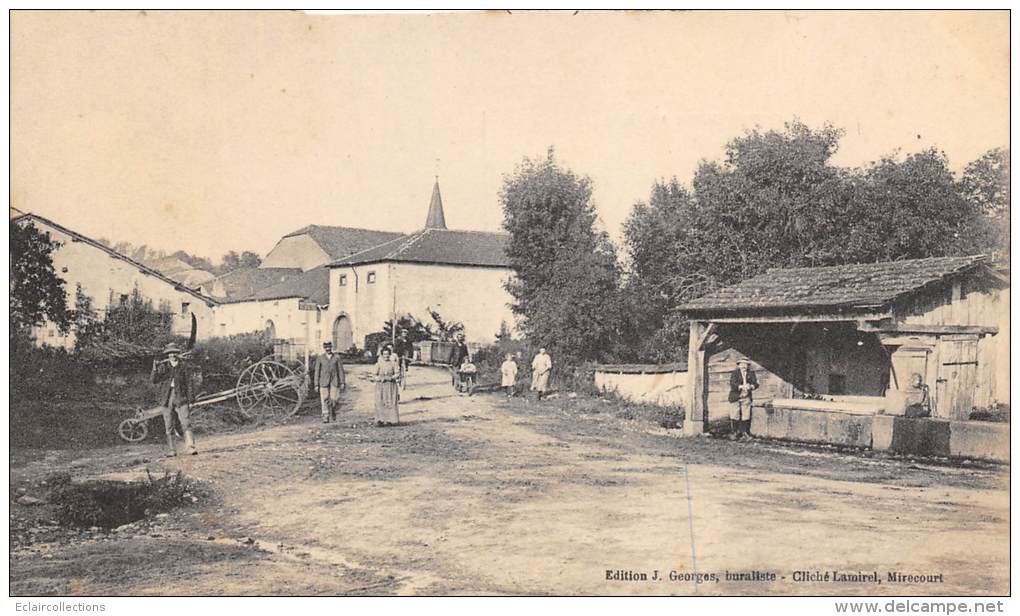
[133,429]
[269,388]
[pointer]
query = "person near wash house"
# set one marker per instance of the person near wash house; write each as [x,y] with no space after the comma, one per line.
[329,379]
[175,395]
[742,383]
[387,395]
[541,367]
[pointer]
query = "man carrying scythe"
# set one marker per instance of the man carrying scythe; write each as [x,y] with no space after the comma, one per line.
[176,394]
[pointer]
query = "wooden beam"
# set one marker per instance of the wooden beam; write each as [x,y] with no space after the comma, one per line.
[708,333]
[697,408]
[904,328]
[803,318]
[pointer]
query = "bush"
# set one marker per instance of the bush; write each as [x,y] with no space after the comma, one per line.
[39,371]
[230,355]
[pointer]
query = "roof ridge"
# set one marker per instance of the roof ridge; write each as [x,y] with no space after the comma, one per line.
[377,246]
[412,240]
[307,228]
[970,258]
[471,231]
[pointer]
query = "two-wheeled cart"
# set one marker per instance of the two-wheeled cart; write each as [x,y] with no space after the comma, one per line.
[267,388]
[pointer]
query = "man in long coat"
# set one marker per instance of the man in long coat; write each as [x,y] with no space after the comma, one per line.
[742,383]
[175,395]
[329,378]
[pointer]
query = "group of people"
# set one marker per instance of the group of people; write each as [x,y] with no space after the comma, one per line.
[541,368]
[330,379]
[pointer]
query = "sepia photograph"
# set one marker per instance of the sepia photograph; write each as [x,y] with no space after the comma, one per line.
[511,303]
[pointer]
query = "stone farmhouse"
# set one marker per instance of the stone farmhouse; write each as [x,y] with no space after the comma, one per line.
[109,277]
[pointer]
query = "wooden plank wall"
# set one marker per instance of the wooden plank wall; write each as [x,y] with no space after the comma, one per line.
[972,301]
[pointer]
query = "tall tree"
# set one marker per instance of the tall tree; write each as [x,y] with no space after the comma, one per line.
[37,292]
[985,183]
[567,282]
[907,209]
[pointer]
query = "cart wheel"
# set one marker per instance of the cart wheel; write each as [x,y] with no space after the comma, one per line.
[270,389]
[133,430]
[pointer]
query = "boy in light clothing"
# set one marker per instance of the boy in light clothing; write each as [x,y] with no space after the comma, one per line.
[509,371]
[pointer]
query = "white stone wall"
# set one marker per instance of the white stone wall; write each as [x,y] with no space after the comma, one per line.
[104,277]
[472,295]
[296,251]
[663,389]
[246,317]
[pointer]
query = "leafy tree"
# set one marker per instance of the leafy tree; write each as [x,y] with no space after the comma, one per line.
[133,325]
[233,261]
[567,282]
[416,330]
[985,183]
[906,210]
[446,331]
[37,293]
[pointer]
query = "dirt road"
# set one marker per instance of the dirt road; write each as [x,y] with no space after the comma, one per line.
[482,495]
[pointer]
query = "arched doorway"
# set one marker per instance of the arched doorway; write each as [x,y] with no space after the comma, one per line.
[270,330]
[343,334]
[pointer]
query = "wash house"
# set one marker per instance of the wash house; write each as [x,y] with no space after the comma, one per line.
[850,338]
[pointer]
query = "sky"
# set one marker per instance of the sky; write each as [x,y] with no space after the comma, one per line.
[210,132]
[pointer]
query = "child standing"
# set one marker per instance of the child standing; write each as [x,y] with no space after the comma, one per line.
[509,372]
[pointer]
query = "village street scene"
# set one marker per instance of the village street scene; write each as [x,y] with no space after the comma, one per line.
[402,305]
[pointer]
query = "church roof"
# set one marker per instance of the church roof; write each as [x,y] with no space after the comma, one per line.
[338,242]
[437,246]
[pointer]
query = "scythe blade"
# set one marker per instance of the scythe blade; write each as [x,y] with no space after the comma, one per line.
[194,332]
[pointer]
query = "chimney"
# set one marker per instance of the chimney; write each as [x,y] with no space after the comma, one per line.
[436,219]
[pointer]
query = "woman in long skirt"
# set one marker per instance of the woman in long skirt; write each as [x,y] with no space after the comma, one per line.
[387,373]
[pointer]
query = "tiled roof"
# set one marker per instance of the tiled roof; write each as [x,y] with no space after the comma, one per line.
[242,284]
[312,286]
[841,286]
[339,242]
[442,246]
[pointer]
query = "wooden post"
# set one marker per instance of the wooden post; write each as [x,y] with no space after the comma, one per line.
[696,421]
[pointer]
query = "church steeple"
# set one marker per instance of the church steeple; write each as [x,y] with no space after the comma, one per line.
[436,219]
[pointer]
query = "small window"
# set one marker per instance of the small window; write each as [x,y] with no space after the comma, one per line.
[343,280]
[371,278]
[49,333]
[63,269]
[318,316]
[185,308]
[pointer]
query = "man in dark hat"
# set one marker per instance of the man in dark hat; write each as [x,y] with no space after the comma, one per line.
[329,378]
[742,383]
[175,395]
[404,351]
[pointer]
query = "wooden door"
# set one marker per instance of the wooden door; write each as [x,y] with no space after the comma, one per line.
[343,334]
[957,380]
